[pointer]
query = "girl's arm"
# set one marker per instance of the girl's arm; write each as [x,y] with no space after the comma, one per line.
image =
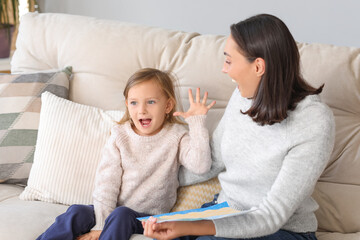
[194,148]
[107,181]
[187,177]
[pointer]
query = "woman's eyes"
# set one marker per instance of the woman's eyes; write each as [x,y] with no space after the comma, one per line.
[227,62]
[133,103]
[151,102]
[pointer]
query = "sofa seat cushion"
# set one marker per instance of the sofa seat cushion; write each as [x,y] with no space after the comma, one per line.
[337,211]
[9,190]
[25,219]
[337,236]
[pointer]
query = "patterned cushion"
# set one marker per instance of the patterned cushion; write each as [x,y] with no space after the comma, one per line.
[68,150]
[19,118]
[194,196]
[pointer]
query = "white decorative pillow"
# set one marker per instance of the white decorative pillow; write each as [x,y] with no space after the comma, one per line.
[68,149]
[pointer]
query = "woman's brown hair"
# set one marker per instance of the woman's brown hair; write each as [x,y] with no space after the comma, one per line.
[166,82]
[282,86]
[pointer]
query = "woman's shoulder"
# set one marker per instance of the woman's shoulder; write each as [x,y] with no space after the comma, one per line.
[312,104]
[311,113]
[239,102]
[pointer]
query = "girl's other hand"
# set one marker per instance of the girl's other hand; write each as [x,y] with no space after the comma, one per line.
[197,107]
[92,235]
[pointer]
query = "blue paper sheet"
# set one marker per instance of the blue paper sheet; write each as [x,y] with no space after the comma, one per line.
[217,211]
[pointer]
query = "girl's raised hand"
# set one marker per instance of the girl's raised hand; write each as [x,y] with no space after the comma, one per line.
[197,107]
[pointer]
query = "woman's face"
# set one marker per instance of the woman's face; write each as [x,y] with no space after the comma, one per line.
[245,73]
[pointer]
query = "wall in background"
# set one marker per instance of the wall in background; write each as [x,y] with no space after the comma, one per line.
[322,21]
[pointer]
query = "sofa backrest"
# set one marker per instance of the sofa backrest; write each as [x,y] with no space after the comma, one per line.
[105,53]
[338,190]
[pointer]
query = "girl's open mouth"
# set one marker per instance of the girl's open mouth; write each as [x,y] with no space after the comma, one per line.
[145,122]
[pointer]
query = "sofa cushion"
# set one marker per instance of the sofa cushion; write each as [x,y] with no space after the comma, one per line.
[20,105]
[70,140]
[338,189]
[337,236]
[193,196]
[9,191]
[26,220]
[338,210]
[109,52]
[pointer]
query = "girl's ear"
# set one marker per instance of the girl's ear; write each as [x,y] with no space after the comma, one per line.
[169,106]
[260,66]
[126,103]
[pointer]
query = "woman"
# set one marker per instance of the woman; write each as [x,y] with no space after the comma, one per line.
[273,142]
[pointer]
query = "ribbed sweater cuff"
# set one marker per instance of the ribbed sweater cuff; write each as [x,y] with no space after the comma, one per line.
[99,216]
[196,119]
[97,227]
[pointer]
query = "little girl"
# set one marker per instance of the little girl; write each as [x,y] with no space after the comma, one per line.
[138,172]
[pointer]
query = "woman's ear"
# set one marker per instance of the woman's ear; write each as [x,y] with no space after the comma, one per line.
[260,66]
[169,106]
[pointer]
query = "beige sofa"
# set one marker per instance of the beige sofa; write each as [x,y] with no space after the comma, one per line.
[103,54]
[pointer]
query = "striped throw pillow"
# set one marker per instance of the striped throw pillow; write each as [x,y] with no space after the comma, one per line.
[70,141]
[20,105]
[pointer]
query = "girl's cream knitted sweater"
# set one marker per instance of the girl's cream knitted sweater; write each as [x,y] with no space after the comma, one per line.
[141,172]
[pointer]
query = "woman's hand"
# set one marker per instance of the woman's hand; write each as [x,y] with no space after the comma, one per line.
[164,230]
[171,230]
[196,107]
[92,235]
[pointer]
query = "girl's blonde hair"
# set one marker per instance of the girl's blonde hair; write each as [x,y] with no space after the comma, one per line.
[166,83]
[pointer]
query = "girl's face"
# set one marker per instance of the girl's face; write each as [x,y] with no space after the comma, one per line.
[240,69]
[148,106]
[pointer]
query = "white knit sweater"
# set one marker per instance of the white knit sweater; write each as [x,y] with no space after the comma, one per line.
[271,168]
[141,172]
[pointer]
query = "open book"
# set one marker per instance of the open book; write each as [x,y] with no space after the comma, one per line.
[217,211]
